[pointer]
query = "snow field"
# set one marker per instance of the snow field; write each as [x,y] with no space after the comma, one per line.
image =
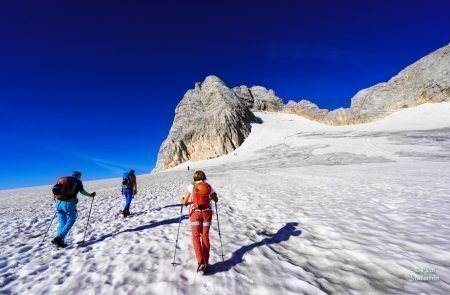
[304,208]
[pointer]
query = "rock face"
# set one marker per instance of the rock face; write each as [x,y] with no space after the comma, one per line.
[212,120]
[427,80]
[259,98]
[265,100]
[309,110]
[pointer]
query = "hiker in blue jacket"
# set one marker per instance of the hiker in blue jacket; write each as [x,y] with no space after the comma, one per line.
[65,192]
[129,189]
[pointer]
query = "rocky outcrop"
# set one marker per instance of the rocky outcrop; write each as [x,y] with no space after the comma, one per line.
[259,98]
[210,121]
[427,80]
[306,109]
[265,99]
[309,110]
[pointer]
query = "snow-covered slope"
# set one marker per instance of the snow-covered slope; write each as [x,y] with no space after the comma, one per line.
[305,208]
[286,134]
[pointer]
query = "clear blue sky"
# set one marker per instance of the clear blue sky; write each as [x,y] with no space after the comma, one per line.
[93,85]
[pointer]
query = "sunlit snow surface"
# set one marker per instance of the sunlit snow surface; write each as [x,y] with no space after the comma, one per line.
[304,208]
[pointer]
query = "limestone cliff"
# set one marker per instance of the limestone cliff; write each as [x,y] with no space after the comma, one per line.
[427,80]
[212,120]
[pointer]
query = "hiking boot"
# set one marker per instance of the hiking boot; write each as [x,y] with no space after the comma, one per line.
[58,242]
[200,266]
[205,268]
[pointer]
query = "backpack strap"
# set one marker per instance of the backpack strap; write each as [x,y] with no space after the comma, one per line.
[130,178]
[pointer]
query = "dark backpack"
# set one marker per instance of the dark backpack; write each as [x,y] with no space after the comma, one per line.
[65,188]
[127,180]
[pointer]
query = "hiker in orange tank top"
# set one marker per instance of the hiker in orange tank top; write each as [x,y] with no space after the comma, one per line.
[198,198]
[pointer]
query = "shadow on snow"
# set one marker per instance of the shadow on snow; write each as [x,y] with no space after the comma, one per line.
[167,206]
[152,224]
[282,235]
[155,209]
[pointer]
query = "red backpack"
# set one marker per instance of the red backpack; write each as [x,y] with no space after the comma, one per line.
[65,187]
[201,192]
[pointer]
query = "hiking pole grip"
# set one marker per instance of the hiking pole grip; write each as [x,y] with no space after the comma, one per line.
[87,223]
[178,232]
[220,235]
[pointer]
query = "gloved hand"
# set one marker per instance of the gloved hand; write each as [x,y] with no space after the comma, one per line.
[134,192]
[183,203]
[93,194]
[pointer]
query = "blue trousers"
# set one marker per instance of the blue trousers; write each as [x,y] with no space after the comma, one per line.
[67,214]
[128,194]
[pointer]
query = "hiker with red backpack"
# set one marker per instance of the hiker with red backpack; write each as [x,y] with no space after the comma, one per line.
[65,194]
[198,198]
[129,189]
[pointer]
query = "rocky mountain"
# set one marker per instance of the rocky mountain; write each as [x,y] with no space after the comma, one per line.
[213,120]
[427,80]
[210,121]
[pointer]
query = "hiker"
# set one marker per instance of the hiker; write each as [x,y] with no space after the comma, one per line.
[188,168]
[129,189]
[199,197]
[65,194]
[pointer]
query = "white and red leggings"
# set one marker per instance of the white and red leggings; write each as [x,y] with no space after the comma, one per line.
[200,224]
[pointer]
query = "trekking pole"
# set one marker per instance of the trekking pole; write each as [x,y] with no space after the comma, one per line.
[87,223]
[178,232]
[51,222]
[220,235]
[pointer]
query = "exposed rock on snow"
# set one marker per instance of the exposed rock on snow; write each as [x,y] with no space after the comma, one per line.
[265,100]
[213,120]
[427,80]
[259,98]
[244,94]
[306,109]
[210,121]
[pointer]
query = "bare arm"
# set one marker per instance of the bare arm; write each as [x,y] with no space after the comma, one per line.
[185,200]
[85,193]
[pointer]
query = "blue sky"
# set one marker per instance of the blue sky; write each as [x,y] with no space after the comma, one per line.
[92,85]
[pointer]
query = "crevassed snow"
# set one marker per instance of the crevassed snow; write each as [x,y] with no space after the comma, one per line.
[304,208]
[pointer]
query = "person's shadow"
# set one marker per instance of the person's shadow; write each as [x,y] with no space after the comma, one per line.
[152,224]
[167,206]
[283,234]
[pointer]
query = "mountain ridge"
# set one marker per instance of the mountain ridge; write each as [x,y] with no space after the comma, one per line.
[213,120]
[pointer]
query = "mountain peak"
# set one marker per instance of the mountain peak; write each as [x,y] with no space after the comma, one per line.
[211,80]
[213,120]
